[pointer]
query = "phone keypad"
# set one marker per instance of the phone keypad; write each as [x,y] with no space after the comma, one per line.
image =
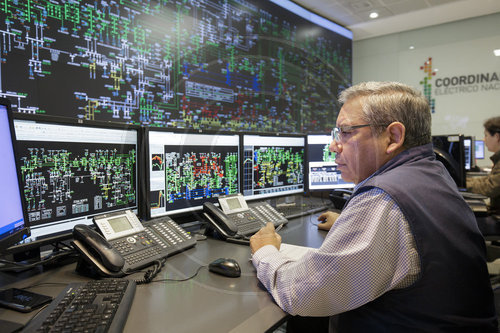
[267,213]
[160,238]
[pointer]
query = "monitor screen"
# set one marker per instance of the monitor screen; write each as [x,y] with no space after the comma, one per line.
[450,151]
[13,225]
[273,165]
[186,169]
[72,172]
[322,170]
[210,64]
[469,153]
[479,149]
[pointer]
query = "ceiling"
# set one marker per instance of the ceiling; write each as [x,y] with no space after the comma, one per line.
[397,15]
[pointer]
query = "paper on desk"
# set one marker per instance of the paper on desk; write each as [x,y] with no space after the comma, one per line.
[294,252]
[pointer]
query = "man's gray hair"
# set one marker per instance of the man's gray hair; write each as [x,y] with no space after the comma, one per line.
[387,102]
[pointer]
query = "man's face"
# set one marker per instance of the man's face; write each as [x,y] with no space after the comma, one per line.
[359,152]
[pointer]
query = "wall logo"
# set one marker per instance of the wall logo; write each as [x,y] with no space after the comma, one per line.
[426,83]
[457,84]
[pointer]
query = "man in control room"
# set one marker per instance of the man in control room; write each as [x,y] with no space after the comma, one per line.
[405,254]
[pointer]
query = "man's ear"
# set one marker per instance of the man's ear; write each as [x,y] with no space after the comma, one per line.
[397,132]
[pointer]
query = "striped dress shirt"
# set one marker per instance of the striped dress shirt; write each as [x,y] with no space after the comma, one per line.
[369,250]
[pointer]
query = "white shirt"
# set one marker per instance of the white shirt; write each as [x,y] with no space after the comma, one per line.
[368,251]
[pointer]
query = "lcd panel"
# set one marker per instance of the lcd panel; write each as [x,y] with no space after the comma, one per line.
[479,149]
[13,226]
[271,65]
[72,172]
[468,153]
[273,165]
[322,170]
[188,169]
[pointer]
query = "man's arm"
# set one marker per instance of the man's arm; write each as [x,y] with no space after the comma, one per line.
[488,185]
[368,251]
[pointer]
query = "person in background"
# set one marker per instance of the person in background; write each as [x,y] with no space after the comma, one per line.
[490,185]
[405,254]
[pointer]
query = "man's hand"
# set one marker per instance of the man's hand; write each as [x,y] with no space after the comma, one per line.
[327,220]
[265,236]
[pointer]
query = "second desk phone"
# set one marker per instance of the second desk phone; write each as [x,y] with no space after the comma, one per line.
[239,218]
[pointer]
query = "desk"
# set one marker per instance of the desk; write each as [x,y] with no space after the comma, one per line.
[206,303]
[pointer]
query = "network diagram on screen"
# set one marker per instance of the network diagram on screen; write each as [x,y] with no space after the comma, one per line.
[187,169]
[240,65]
[70,172]
[272,165]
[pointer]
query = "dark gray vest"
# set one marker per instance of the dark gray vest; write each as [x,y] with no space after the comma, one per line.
[453,292]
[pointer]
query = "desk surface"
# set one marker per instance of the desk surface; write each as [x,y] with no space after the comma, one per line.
[207,302]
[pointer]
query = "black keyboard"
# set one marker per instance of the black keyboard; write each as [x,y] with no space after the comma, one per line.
[94,306]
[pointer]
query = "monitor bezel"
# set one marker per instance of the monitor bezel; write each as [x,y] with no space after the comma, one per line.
[68,234]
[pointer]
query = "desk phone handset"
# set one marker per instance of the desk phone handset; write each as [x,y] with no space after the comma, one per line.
[219,220]
[97,251]
[126,244]
[237,219]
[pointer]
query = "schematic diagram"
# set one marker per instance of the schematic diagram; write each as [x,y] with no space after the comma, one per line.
[203,64]
[193,174]
[62,181]
[271,167]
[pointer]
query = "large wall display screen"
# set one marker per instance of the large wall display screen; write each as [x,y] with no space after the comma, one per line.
[239,65]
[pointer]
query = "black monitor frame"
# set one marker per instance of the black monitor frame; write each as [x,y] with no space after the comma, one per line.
[63,235]
[14,236]
[469,155]
[453,158]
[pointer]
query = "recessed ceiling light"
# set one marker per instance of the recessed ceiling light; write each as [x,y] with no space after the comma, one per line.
[412,47]
[497,52]
[373,15]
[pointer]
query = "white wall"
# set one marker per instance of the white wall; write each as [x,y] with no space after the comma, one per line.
[460,48]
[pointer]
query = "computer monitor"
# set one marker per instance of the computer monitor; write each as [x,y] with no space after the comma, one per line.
[72,171]
[322,170]
[479,149]
[186,169]
[469,158]
[449,149]
[13,222]
[273,165]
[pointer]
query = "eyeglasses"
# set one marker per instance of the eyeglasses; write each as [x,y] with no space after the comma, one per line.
[337,132]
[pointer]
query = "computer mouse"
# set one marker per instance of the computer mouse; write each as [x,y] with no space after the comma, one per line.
[225,266]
